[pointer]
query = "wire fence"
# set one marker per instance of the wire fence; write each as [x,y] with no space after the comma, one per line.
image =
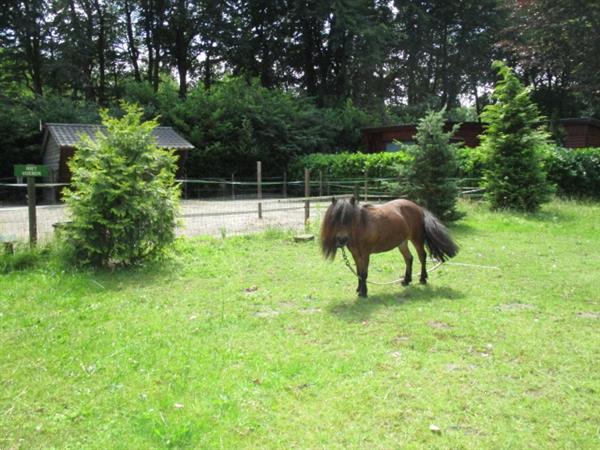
[216,206]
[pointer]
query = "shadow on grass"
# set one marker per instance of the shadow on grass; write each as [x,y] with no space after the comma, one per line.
[462,228]
[360,309]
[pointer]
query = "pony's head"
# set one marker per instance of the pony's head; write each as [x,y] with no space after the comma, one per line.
[337,228]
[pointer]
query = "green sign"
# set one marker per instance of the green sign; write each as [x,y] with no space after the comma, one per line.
[30,170]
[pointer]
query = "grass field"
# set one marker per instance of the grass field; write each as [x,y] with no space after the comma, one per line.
[256,342]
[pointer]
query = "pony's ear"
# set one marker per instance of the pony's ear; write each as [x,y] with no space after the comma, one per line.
[353,200]
[333,200]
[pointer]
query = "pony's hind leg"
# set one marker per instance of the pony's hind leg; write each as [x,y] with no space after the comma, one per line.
[408,260]
[420,248]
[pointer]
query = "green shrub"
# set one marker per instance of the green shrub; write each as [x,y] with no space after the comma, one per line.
[123,198]
[576,172]
[235,123]
[21,257]
[471,162]
[514,144]
[430,176]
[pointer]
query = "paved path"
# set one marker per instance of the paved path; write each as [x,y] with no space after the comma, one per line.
[199,217]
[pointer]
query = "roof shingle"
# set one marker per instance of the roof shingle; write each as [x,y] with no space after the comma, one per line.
[68,134]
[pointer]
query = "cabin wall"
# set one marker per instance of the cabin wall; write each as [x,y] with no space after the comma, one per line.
[578,133]
[593,137]
[575,135]
[51,159]
[381,139]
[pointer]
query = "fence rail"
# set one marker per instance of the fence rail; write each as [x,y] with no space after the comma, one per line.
[217,206]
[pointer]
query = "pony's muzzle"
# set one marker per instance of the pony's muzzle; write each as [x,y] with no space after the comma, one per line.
[341,241]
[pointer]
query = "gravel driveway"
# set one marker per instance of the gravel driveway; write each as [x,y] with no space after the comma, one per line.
[199,217]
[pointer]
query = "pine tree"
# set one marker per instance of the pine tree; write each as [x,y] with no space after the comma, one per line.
[123,197]
[430,177]
[513,143]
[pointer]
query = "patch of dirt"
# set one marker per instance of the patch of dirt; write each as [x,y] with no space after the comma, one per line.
[588,315]
[400,339]
[267,313]
[515,307]
[309,310]
[438,325]
[287,305]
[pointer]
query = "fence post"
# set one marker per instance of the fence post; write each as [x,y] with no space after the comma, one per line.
[53,192]
[320,183]
[259,187]
[285,184]
[232,186]
[366,185]
[306,196]
[31,207]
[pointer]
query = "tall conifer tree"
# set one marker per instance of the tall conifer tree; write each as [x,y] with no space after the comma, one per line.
[513,142]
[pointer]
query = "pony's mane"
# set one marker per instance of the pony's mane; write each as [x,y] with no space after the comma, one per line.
[340,214]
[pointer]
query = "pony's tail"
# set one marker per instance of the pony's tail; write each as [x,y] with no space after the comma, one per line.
[437,238]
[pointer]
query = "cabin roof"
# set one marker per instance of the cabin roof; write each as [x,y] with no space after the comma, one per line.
[68,135]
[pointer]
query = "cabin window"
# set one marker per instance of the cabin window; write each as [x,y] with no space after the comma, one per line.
[394,146]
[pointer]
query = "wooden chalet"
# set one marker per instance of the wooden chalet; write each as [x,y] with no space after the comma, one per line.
[60,139]
[577,133]
[58,146]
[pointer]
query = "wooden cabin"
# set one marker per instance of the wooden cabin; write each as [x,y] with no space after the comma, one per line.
[58,146]
[576,133]
[383,139]
[580,132]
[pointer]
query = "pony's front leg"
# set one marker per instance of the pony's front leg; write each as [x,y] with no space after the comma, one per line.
[362,270]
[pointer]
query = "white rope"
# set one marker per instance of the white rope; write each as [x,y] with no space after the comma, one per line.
[478,266]
[438,264]
[399,280]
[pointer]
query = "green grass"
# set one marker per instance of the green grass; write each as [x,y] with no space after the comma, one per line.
[256,342]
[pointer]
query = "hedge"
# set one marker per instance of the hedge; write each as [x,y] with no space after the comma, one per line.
[349,165]
[575,172]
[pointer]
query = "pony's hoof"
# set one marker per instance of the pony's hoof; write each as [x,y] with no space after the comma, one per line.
[362,294]
[405,282]
[423,281]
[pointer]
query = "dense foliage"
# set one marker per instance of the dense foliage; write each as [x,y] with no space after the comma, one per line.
[365,51]
[234,124]
[576,172]
[555,45]
[277,79]
[513,146]
[429,178]
[123,198]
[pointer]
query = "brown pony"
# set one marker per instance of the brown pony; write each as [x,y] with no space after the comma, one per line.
[367,229]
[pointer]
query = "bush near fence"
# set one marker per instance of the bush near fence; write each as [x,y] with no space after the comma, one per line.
[575,172]
[349,165]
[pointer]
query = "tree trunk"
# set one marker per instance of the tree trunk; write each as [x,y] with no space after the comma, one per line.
[133,51]
[32,46]
[101,53]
